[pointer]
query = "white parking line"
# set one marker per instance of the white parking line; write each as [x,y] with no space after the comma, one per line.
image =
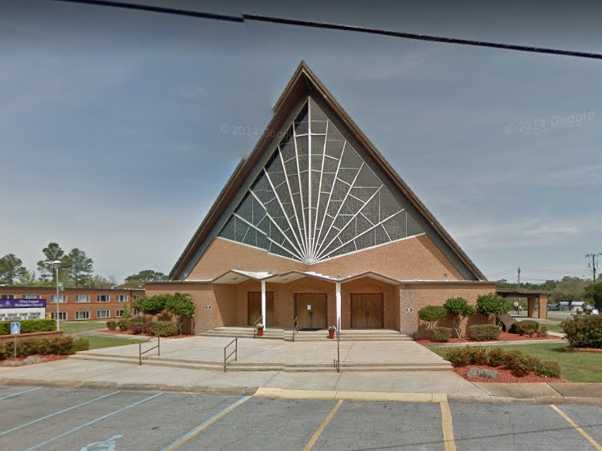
[201,427]
[12,395]
[82,404]
[94,421]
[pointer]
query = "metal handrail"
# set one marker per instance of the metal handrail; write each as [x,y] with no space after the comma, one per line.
[233,352]
[337,362]
[295,326]
[141,353]
[258,321]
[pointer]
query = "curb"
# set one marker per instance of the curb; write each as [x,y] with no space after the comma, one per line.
[248,391]
[281,393]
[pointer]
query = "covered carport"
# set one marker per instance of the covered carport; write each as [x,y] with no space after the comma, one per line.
[537,300]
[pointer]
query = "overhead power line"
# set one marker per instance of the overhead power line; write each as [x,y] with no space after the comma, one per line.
[339,27]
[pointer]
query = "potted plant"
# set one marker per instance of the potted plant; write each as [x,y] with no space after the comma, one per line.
[260,330]
[331,331]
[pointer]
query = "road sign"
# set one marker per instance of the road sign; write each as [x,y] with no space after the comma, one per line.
[15,327]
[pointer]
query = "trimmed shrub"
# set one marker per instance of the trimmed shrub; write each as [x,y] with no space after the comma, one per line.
[543,331]
[493,305]
[519,364]
[111,325]
[431,314]
[459,356]
[151,305]
[583,331]
[29,326]
[58,345]
[441,333]
[165,316]
[123,324]
[458,308]
[478,356]
[484,332]
[163,329]
[496,357]
[525,327]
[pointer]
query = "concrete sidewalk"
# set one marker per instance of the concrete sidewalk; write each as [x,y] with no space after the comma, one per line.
[81,373]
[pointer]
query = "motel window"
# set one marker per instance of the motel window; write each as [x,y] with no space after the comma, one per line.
[58,299]
[103,314]
[82,298]
[7,296]
[103,297]
[61,315]
[31,296]
[82,315]
[122,298]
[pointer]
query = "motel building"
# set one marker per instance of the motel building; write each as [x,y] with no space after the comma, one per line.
[315,228]
[73,304]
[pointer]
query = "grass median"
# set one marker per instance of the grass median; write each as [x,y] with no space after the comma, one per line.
[102,341]
[575,366]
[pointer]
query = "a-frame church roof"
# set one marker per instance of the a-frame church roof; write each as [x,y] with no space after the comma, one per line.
[298,241]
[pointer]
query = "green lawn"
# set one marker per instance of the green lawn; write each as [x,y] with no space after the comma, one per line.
[554,328]
[575,366]
[74,327]
[106,341]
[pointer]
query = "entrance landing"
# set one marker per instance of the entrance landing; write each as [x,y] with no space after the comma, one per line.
[308,335]
[278,355]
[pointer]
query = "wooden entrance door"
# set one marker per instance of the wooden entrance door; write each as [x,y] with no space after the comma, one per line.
[254,307]
[367,311]
[310,309]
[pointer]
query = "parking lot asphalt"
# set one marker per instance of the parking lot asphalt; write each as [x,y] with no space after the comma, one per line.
[44,418]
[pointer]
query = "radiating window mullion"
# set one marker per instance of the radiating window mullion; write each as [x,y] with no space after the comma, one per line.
[327,255]
[336,175]
[356,214]
[314,248]
[300,189]
[290,193]
[266,235]
[300,247]
[342,203]
[275,223]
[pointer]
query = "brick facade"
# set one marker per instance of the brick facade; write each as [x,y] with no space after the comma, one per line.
[94,301]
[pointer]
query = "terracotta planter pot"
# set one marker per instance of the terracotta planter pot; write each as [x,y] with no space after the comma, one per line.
[331,333]
[260,331]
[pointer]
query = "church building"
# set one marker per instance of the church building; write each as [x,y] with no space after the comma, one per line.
[315,228]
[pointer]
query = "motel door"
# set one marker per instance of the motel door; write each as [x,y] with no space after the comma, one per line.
[310,309]
[254,307]
[367,311]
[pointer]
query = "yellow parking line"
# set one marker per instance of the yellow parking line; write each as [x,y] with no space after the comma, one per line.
[447,425]
[578,428]
[327,419]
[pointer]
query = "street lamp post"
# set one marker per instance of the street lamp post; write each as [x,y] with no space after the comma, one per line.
[56,264]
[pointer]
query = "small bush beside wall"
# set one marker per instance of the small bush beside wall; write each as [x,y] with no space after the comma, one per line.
[58,346]
[441,334]
[164,329]
[484,332]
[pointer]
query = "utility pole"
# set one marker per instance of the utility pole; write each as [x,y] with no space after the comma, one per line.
[518,275]
[592,262]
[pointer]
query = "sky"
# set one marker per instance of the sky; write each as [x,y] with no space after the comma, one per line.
[119,128]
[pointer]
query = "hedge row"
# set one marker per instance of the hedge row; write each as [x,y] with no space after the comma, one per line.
[44,346]
[142,326]
[29,326]
[519,364]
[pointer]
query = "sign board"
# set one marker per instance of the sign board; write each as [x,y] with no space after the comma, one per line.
[15,327]
[309,307]
[22,303]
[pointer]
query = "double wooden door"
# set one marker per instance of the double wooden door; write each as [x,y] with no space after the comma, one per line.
[310,310]
[254,307]
[367,311]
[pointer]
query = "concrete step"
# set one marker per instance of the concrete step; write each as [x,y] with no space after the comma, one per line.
[250,366]
[272,333]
